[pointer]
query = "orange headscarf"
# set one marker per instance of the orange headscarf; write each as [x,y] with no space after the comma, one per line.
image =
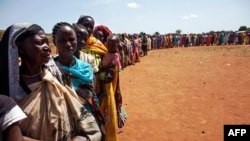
[96,45]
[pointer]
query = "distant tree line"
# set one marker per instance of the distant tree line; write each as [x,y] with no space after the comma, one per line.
[178,31]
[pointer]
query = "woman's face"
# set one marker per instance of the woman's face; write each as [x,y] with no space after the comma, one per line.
[65,41]
[89,24]
[100,36]
[82,36]
[35,49]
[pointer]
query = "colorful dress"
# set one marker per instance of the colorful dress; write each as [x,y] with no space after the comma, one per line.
[79,76]
[113,99]
[96,49]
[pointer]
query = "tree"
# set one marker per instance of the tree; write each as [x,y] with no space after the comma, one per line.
[211,32]
[243,28]
[141,33]
[248,29]
[157,33]
[178,31]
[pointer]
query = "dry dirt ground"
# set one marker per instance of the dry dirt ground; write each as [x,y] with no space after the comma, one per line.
[186,94]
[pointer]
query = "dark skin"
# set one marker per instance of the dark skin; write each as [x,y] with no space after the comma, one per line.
[82,36]
[99,35]
[113,43]
[34,52]
[13,133]
[66,44]
[89,23]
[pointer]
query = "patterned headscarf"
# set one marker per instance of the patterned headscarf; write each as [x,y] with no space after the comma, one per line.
[105,30]
[9,69]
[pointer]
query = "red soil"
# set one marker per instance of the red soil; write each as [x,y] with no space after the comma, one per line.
[186,94]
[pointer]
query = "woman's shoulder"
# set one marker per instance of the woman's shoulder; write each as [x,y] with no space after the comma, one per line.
[10,112]
[84,56]
[81,63]
[6,101]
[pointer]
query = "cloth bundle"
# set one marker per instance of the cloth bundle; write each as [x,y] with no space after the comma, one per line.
[55,113]
[107,75]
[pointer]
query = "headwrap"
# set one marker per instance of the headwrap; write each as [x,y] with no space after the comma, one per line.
[96,45]
[105,30]
[84,17]
[135,36]
[9,69]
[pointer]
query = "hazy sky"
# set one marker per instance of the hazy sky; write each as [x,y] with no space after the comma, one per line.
[132,16]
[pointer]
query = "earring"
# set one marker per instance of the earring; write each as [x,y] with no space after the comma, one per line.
[19,61]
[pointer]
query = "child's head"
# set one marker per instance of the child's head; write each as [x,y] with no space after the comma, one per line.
[113,43]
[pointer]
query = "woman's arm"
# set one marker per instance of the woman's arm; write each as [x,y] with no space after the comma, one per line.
[13,133]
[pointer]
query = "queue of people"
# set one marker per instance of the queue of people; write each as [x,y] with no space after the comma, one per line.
[54,111]
[202,39]
[73,95]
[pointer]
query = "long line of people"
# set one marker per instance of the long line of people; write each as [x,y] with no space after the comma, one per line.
[75,94]
[203,39]
[68,96]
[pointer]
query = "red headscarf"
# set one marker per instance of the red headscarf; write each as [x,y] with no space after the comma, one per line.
[105,30]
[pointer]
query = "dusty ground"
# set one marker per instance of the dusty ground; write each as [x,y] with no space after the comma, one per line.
[186,94]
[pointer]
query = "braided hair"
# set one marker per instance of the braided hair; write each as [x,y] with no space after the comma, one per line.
[58,26]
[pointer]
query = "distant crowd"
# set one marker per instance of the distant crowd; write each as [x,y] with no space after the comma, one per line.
[133,46]
[75,95]
[205,39]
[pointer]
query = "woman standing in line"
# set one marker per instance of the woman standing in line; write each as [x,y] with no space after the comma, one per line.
[82,37]
[111,104]
[76,73]
[54,112]
[137,45]
[93,47]
[102,32]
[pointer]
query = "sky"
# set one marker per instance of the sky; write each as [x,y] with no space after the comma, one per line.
[132,16]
